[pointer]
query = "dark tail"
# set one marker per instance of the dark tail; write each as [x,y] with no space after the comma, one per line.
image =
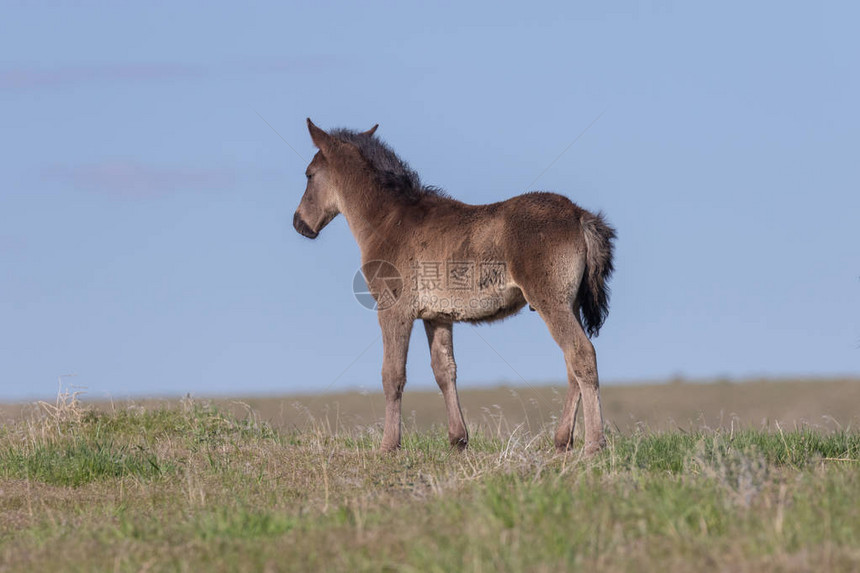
[593,291]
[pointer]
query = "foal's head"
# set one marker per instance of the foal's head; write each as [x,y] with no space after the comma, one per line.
[321,202]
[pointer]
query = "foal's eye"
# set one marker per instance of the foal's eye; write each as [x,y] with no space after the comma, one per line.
[308,175]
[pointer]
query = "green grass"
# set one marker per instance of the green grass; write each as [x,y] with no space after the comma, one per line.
[189,487]
[75,464]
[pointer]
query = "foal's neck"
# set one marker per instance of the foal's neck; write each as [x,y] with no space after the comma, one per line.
[367,207]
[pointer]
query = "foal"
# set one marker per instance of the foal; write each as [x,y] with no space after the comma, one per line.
[428,256]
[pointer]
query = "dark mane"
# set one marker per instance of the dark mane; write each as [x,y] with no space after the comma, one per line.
[393,173]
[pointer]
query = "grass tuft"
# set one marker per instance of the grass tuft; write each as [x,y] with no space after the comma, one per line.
[77,463]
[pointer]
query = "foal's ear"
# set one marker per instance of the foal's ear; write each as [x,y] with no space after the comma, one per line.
[371,131]
[320,138]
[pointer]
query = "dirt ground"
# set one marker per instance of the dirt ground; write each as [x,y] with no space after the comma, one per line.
[826,403]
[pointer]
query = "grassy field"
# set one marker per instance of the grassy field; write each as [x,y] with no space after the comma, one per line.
[737,477]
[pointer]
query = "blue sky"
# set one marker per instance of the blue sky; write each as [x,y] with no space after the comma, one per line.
[145,207]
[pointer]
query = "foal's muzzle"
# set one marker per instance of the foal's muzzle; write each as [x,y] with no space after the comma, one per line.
[303,228]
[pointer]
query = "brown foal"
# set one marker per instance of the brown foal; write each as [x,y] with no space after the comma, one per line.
[430,257]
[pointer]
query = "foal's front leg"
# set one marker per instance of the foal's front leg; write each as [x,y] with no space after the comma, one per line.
[395,344]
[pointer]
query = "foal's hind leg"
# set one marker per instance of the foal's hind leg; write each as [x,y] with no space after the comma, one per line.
[440,337]
[581,361]
[564,433]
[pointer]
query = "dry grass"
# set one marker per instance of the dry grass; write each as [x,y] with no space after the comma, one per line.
[827,404]
[280,485]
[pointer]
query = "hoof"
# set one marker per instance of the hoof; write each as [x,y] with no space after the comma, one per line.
[563,444]
[389,448]
[459,444]
[590,449]
[594,448]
